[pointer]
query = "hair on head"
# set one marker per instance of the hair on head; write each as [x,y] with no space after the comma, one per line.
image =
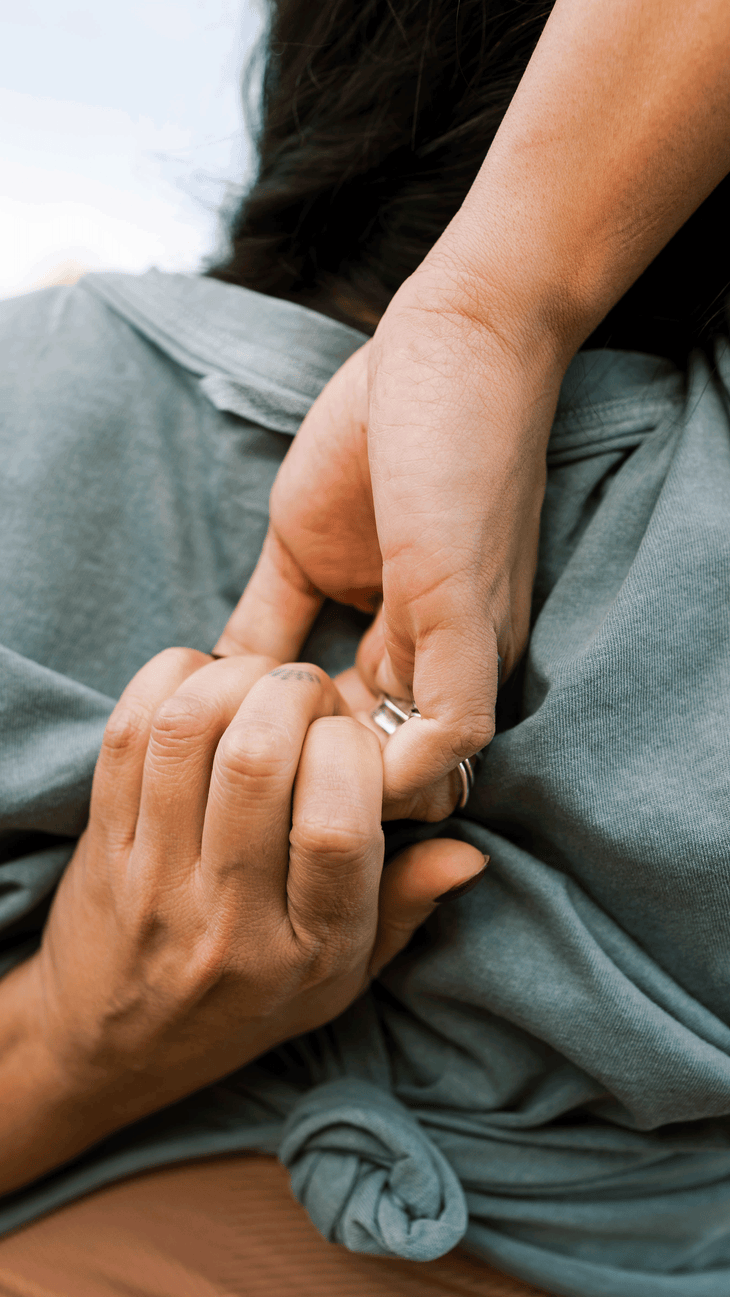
[372,119]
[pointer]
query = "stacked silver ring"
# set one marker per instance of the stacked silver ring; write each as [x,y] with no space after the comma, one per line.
[391,713]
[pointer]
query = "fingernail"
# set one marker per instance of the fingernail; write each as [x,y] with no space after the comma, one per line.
[461,889]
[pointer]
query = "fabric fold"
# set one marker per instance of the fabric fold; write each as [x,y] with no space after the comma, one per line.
[368,1174]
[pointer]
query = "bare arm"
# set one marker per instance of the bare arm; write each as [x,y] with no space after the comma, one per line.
[619,129]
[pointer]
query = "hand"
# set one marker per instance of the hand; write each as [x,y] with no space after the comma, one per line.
[619,128]
[421,467]
[226,894]
[430,803]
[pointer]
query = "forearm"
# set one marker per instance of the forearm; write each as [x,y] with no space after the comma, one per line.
[54,1106]
[54,1103]
[619,129]
[42,1117]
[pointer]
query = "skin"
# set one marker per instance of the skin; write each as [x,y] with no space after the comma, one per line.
[420,470]
[227,894]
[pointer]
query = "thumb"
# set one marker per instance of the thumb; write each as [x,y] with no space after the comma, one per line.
[455,680]
[458,670]
[420,878]
[276,610]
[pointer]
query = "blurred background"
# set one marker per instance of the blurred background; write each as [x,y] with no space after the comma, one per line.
[121,133]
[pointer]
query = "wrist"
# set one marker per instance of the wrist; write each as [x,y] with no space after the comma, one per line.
[45,1119]
[619,128]
[531,304]
[510,361]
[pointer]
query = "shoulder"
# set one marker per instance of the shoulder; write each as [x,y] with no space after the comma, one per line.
[66,342]
[82,389]
[53,320]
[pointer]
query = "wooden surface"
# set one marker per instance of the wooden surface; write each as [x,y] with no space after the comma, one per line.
[226,1227]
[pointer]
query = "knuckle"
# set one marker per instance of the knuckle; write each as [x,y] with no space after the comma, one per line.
[260,970]
[178,658]
[257,751]
[333,905]
[331,842]
[328,948]
[208,959]
[208,964]
[126,730]
[180,720]
[472,734]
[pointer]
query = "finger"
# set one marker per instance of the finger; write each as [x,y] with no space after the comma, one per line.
[360,701]
[117,787]
[248,816]
[455,689]
[336,838]
[431,803]
[355,692]
[276,610]
[420,878]
[184,736]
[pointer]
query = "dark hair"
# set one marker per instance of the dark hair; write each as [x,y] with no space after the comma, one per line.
[373,120]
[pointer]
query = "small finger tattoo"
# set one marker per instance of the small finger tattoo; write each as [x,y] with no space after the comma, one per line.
[294,673]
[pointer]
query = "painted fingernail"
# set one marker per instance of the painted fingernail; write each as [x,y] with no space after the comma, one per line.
[461,889]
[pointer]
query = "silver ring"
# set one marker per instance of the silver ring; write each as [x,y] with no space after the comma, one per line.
[466,771]
[391,713]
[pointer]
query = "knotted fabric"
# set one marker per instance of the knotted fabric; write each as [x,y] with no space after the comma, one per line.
[369,1175]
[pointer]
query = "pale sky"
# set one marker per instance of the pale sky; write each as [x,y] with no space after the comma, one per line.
[121,131]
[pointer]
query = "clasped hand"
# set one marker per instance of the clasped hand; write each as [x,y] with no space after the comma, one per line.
[227,892]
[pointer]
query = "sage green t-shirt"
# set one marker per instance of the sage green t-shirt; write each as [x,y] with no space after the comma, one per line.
[550,1059]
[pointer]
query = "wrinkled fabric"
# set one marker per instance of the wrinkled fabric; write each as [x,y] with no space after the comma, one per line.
[369,1176]
[560,1037]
